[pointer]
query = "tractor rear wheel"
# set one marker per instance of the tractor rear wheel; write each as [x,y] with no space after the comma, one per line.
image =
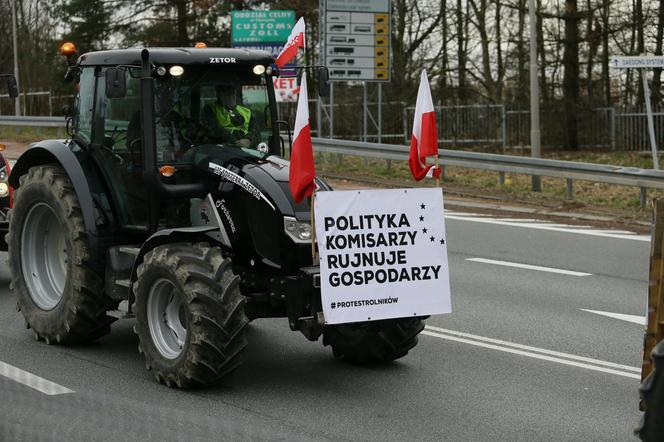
[376,342]
[652,393]
[58,293]
[189,315]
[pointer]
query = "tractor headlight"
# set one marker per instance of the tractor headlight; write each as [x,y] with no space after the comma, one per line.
[300,232]
[4,190]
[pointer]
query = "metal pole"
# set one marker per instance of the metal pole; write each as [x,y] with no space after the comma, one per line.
[380,112]
[535,146]
[331,132]
[319,117]
[651,127]
[365,111]
[17,101]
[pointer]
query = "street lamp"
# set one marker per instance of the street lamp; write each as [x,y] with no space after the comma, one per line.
[17,101]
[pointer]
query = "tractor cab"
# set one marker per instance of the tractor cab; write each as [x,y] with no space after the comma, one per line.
[147,116]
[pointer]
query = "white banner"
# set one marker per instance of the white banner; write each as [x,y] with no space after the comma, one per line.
[383,254]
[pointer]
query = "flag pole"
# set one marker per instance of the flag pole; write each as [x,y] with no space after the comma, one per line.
[314,255]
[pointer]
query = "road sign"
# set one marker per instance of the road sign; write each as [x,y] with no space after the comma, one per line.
[359,5]
[356,39]
[643,62]
[638,61]
[261,26]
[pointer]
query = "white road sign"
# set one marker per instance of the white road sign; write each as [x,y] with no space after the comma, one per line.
[356,39]
[637,61]
[383,254]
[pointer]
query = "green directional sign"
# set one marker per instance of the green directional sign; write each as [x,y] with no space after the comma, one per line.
[261,26]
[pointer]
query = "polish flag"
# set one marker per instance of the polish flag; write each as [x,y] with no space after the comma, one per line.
[424,141]
[302,172]
[295,41]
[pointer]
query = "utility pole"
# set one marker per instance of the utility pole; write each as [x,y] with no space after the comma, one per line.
[17,101]
[535,135]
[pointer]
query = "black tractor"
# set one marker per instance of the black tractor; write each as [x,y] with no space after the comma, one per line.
[170,203]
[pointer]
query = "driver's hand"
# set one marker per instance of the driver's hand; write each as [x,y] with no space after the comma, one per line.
[244,142]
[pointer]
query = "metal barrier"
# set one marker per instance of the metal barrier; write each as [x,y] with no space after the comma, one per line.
[569,170]
[10,120]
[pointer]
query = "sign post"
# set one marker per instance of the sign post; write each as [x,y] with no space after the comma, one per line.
[643,62]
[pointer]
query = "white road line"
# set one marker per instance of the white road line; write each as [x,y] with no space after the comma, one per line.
[33,381]
[542,354]
[528,267]
[623,317]
[581,230]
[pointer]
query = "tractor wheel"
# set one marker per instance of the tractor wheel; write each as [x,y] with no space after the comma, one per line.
[376,342]
[58,293]
[189,314]
[652,393]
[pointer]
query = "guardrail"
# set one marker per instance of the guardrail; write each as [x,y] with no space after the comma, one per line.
[9,120]
[569,170]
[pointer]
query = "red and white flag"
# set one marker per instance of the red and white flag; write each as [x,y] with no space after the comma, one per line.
[302,172]
[424,141]
[295,41]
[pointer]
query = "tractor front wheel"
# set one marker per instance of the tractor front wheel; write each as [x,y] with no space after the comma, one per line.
[374,342]
[189,315]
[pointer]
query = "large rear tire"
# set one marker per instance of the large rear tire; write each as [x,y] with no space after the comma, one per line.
[652,394]
[376,342]
[189,315]
[58,293]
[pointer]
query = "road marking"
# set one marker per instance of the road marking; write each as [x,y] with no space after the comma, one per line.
[33,381]
[623,317]
[528,267]
[544,225]
[535,352]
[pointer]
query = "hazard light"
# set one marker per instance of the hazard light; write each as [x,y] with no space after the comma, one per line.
[67,49]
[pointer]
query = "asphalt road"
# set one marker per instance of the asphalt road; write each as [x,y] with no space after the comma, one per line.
[517,359]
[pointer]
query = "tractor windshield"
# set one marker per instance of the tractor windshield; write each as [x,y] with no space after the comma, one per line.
[228,106]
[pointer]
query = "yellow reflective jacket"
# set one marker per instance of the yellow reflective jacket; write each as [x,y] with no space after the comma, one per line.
[224,120]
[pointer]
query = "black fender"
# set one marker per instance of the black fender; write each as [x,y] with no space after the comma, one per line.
[59,151]
[170,236]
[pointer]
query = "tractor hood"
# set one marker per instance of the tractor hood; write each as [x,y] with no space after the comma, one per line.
[265,177]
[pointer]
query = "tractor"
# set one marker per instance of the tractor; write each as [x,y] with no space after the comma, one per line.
[152,211]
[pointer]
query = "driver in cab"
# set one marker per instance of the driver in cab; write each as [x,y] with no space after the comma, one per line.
[229,121]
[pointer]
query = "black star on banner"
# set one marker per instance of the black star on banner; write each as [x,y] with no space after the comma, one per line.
[432,239]
[421,218]
[424,230]
[423,206]
[442,240]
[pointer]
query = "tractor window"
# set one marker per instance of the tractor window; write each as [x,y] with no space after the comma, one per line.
[85,104]
[227,106]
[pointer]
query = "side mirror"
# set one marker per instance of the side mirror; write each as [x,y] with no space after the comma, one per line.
[323,82]
[116,84]
[66,110]
[11,85]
